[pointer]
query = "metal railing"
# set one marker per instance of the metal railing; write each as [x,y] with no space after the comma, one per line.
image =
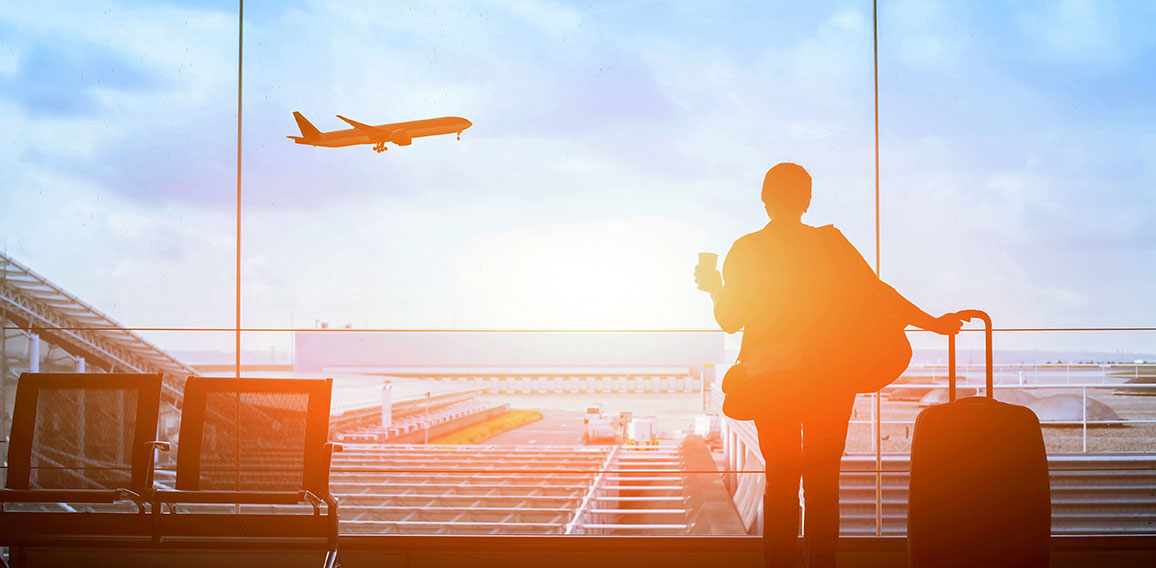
[742,443]
[1084,422]
[577,523]
[742,457]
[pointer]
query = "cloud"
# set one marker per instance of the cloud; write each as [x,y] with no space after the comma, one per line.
[1006,172]
[142,265]
[556,19]
[118,96]
[1075,31]
[67,79]
[571,86]
[176,144]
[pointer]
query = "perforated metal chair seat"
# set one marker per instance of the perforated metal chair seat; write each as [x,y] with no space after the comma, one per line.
[168,496]
[68,496]
[251,441]
[79,439]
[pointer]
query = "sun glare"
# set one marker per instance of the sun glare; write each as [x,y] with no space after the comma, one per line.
[616,274]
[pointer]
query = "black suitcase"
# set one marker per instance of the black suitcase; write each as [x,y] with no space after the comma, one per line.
[979,494]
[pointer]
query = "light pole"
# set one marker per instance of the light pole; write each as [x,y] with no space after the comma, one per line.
[427,401]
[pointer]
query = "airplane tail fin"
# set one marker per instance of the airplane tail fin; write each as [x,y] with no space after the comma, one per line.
[308,131]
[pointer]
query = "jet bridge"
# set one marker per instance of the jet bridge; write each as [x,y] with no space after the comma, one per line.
[47,329]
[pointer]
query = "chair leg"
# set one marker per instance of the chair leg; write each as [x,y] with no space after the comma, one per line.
[16,557]
[21,558]
[331,560]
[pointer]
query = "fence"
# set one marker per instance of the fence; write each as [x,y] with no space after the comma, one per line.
[1107,491]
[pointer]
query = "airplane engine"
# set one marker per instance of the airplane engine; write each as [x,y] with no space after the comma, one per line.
[401,138]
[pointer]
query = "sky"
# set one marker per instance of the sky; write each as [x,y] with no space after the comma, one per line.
[611,143]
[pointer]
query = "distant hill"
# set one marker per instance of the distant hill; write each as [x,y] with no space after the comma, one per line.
[1008,357]
[921,356]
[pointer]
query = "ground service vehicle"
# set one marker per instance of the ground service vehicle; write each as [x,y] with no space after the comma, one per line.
[592,412]
[642,432]
[599,431]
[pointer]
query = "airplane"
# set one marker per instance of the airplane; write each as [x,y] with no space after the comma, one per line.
[400,133]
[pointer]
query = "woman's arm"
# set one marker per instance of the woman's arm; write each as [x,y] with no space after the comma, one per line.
[909,313]
[731,299]
[946,324]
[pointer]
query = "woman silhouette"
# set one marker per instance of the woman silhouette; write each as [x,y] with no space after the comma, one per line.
[781,290]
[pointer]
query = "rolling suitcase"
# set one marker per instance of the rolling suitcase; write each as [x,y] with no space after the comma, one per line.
[979,494]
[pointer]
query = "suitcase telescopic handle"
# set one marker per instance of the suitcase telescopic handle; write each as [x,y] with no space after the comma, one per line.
[968,315]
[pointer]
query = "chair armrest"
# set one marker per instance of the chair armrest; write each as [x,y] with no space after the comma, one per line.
[312,498]
[330,448]
[71,496]
[329,499]
[133,496]
[153,446]
[229,497]
[160,445]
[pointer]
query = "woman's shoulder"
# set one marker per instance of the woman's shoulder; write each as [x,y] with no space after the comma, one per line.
[773,235]
[751,240]
[827,230]
[831,232]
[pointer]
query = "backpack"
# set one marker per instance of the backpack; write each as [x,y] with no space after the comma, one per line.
[853,341]
[866,345]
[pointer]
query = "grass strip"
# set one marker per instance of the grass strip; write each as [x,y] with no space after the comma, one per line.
[489,428]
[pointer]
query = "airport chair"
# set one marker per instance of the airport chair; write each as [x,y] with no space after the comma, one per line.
[79,442]
[246,442]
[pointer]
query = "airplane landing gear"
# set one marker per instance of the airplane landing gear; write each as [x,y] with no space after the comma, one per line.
[459,135]
[379,147]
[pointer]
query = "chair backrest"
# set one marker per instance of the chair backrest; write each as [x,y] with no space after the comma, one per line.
[254,434]
[83,430]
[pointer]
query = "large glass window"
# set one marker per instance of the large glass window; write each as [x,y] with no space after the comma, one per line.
[521,300]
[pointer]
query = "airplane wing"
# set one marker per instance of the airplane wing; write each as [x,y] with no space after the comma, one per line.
[372,130]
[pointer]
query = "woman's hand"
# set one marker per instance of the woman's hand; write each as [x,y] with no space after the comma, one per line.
[708,279]
[946,324]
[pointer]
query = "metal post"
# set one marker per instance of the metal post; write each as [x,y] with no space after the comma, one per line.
[4,420]
[82,420]
[386,405]
[427,402]
[878,272]
[732,459]
[706,378]
[727,449]
[1084,413]
[33,353]
[877,424]
[4,359]
[240,51]
[951,368]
